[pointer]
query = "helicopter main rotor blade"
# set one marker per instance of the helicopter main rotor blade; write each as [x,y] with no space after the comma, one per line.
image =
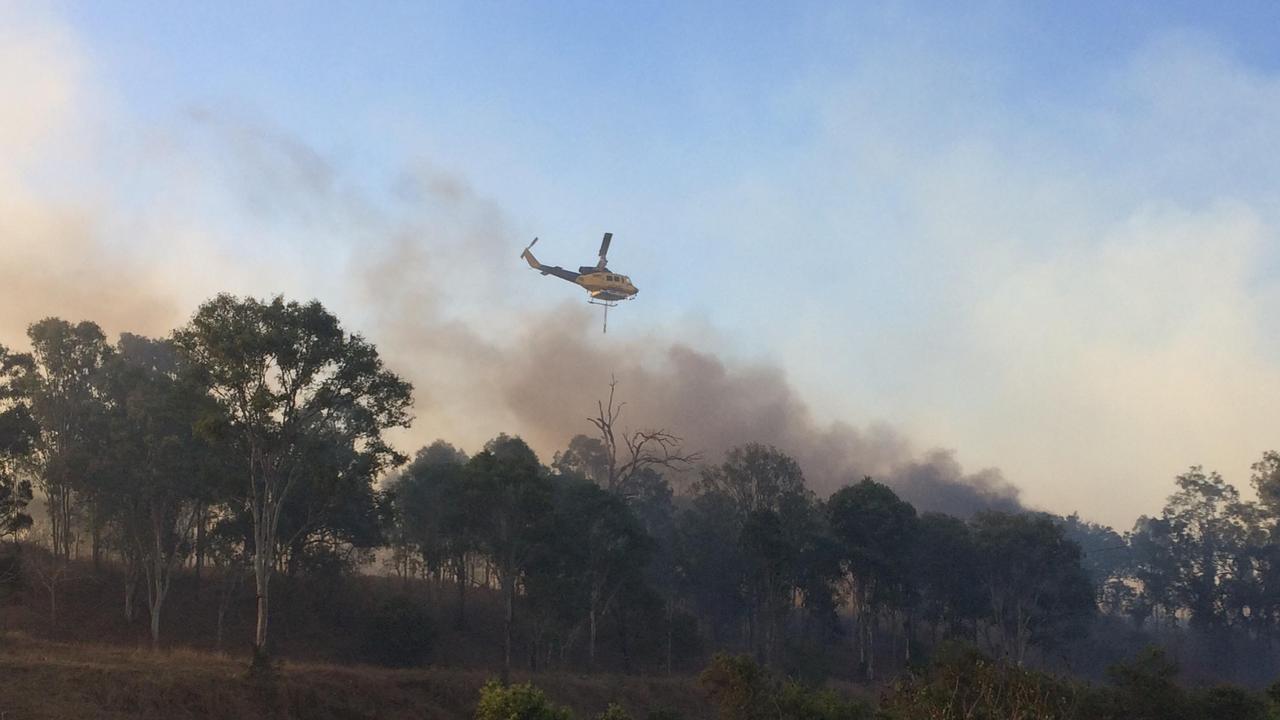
[604,248]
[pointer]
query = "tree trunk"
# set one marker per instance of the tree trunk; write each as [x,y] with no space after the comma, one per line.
[509,591]
[871,650]
[201,520]
[624,641]
[591,635]
[155,621]
[95,529]
[217,638]
[261,576]
[462,591]
[670,631]
[130,593]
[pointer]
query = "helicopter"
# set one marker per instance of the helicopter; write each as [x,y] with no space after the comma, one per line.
[606,287]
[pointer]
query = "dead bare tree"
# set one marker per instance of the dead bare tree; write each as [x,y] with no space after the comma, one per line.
[640,449]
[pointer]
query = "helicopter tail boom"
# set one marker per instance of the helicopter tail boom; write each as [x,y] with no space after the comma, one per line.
[547,269]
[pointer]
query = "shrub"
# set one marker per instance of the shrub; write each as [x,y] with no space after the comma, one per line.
[614,712]
[517,702]
[798,702]
[962,682]
[738,685]
[1230,703]
[745,691]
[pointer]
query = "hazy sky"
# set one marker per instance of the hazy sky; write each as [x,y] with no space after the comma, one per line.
[1044,235]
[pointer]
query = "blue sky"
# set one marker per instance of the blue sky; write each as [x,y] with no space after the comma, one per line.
[1043,234]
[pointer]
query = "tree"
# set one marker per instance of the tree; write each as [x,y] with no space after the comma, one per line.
[771,513]
[514,497]
[754,477]
[332,514]
[1038,591]
[18,433]
[65,400]
[430,511]
[944,564]
[605,546]
[874,529]
[1266,480]
[710,565]
[158,473]
[638,450]
[281,371]
[1203,533]
[586,457]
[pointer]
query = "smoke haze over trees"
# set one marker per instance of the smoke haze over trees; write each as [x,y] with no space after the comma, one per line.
[253,442]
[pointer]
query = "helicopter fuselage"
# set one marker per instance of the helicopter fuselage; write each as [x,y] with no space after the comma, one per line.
[607,286]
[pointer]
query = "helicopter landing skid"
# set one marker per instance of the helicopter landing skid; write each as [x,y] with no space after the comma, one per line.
[606,304]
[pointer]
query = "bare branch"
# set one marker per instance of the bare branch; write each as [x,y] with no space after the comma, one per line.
[644,449]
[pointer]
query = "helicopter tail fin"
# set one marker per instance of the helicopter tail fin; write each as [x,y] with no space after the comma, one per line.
[529,258]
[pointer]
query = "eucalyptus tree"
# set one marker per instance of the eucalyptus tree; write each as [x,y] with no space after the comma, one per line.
[604,544]
[63,392]
[159,473]
[1039,591]
[18,433]
[874,529]
[944,564]
[513,500]
[772,515]
[432,514]
[279,371]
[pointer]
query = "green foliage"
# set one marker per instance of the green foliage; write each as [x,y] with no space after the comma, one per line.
[739,686]
[1226,702]
[18,433]
[962,683]
[743,690]
[517,702]
[799,702]
[614,712]
[398,633]
[1144,688]
[1038,591]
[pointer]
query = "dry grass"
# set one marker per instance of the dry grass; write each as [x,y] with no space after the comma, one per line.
[46,679]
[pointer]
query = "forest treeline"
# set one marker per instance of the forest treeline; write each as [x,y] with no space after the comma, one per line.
[250,444]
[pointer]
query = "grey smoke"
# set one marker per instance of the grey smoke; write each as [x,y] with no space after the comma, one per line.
[542,376]
[432,277]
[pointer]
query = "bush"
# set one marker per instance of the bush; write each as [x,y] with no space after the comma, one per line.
[738,685]
[801,703]
[962,682]
[745,691]
[398,633]
[1144,688]
[517,702]
[1230,703]
[615,712]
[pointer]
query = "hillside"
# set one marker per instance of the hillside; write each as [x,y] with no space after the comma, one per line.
[46,679]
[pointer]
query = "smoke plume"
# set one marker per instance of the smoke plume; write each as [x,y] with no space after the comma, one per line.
[424,265]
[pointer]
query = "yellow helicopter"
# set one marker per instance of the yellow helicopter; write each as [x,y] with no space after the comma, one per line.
[607,288]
